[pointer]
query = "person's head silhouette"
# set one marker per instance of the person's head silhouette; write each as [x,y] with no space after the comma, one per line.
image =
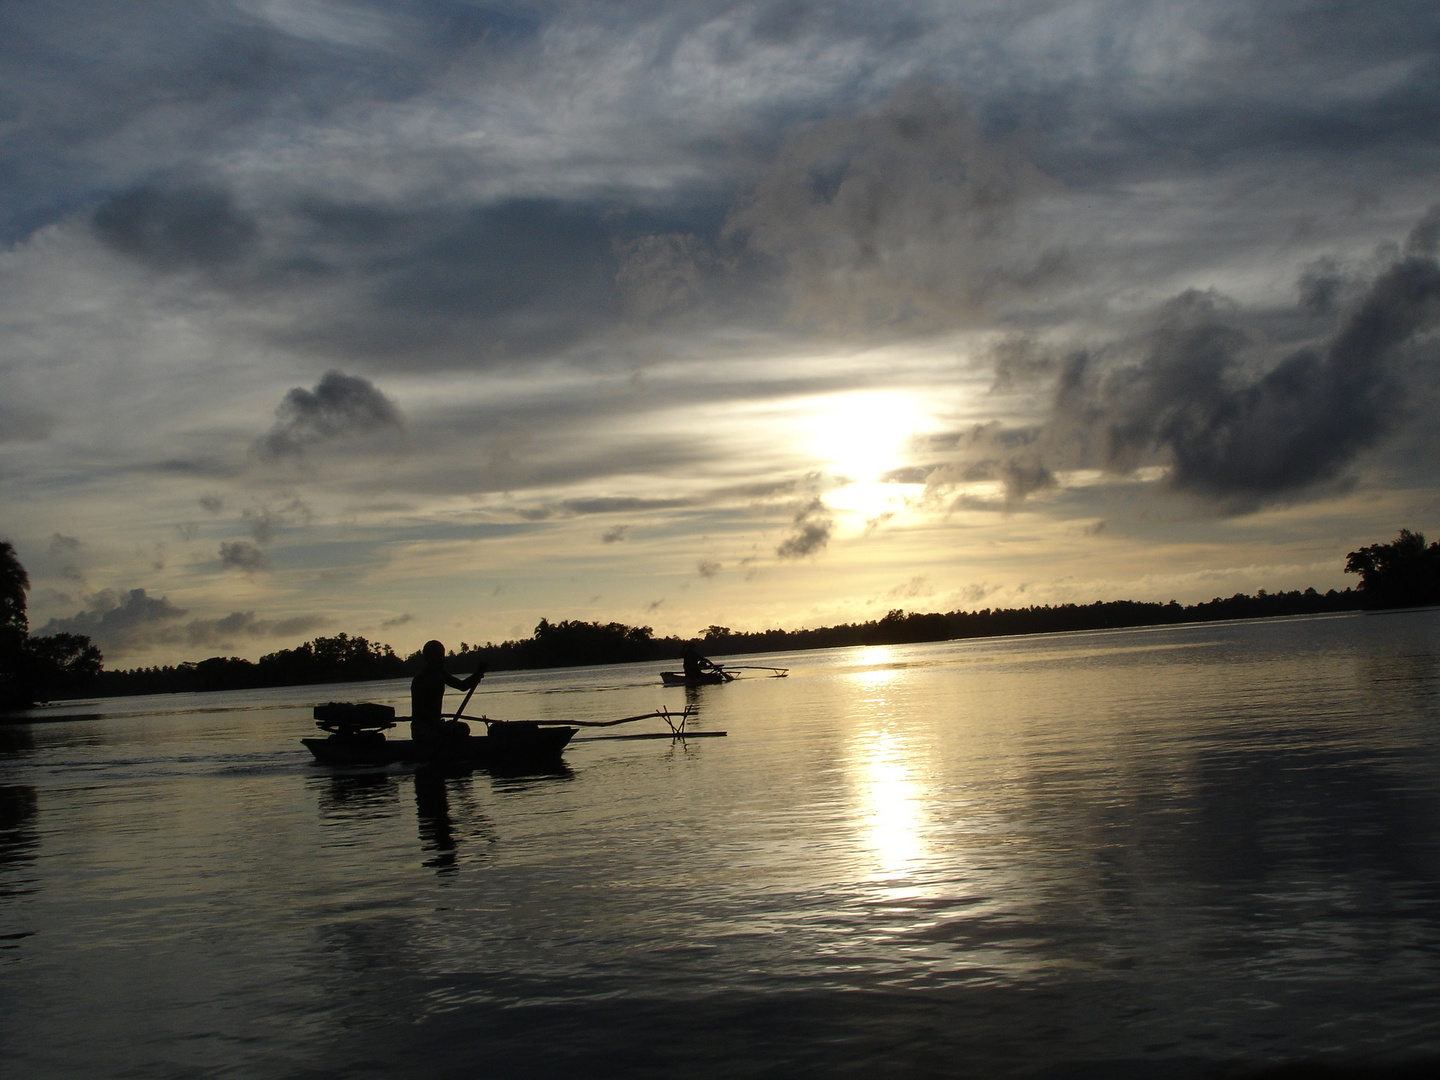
[434,653]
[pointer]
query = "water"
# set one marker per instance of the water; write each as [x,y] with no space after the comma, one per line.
[1153,852]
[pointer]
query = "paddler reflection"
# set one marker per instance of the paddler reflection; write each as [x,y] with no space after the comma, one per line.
[437,828]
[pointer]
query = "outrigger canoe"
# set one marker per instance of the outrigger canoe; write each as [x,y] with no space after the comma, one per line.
[357,737]
[717,674]
[705,678]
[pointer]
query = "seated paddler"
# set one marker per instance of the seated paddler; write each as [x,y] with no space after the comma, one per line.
[695,664]
[427,697]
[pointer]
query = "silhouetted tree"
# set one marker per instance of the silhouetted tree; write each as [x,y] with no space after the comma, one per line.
[61,665]
[14,625]
[334,659]
[14,584]
[1402,573]
[40,668]
[569,643]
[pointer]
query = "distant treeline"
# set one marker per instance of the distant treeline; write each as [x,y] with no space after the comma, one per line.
[324,660]
[899,627]
[573,643]
[1404,572]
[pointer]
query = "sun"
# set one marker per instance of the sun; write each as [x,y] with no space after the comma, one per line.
[862,436]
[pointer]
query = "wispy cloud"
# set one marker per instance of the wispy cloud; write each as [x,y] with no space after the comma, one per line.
[811,529]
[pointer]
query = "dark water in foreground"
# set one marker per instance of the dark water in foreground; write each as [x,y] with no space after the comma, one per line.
[1142,853]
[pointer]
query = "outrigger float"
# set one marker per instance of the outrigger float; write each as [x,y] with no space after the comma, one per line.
[357,737]
[717,674]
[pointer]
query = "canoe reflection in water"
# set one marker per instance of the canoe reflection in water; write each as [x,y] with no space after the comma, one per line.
[447,808]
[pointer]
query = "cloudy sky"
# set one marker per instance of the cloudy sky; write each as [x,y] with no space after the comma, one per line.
[420,319]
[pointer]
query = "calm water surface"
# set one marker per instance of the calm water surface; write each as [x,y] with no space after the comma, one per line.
[1150,852]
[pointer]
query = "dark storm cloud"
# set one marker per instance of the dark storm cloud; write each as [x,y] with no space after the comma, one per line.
[1231,426]
[523,277]
[236,626]
[66,551]
[176,229]
[1424,238]
[1176,87]
[812,525]
[125,622]
[900,214]
[242,555]
[883,207]
[1022,478]
[1018,361]
[341,407]
[118,621]
[101,96]
[496,282]
[1324,287]
[1300,422]
[1371,76]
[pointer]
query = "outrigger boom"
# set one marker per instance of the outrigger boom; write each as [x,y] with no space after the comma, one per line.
[673,720]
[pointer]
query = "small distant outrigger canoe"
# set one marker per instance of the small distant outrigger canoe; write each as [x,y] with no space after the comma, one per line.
[705,678]
[357,737]
[717,674]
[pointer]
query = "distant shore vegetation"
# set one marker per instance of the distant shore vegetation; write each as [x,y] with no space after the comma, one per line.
[1402,573]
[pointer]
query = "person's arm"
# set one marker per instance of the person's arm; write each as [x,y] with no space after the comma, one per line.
[466,684]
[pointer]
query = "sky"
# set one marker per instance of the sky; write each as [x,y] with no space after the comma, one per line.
[432,319]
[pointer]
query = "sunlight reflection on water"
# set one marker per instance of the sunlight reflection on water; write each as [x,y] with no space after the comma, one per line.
[1173,846]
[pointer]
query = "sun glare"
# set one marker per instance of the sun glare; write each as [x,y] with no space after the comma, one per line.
[862,436]
[892,801]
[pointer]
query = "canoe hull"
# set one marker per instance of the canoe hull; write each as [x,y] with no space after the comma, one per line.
[708,678]
[532,747]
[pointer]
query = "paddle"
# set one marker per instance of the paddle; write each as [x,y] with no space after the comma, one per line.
[468,695]
[779,672]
